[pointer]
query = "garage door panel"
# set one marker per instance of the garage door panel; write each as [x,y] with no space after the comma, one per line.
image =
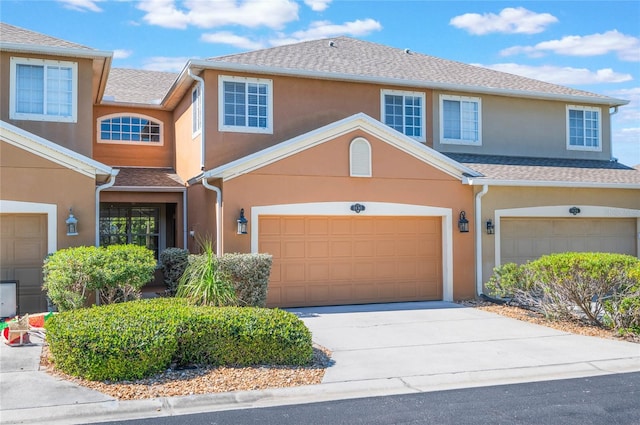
[525,239]
[353,259]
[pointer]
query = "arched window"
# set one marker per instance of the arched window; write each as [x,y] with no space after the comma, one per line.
[129,129]
[360,157]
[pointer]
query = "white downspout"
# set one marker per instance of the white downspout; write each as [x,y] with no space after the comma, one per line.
[107,185]
[202,132]
[184,219]
[478,218]
[206,184]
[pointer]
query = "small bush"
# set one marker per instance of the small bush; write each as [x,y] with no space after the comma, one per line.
[173,262]
[507,281]
[117,271]
[139,338]
[250,276]
[623,306]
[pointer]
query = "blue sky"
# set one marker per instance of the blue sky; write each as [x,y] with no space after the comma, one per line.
[590,45]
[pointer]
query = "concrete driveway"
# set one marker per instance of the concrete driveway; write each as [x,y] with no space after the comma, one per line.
[437,345]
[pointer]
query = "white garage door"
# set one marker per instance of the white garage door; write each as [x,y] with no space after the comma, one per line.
[330,260]
[524,239]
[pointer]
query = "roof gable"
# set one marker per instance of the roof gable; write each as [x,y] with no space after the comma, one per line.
[51,151]
[329,132]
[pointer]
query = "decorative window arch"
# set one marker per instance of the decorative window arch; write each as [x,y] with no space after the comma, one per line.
[134,129]
[360,157]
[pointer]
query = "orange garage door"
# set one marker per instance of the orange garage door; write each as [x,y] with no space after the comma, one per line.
[331,260]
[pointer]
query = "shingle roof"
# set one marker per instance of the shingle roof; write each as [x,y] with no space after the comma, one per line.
[148,177]
[137,85]
[17,35]
[568,171]
[351,57]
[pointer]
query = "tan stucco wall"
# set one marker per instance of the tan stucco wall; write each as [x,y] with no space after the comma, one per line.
[26,177]
[76,136]
[523,127]
[321,174]
[135,155]
[499,198]
[188,148]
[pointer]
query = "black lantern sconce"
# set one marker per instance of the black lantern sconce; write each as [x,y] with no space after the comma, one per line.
[490,227]
[72,225]
[242,223]
[463,223]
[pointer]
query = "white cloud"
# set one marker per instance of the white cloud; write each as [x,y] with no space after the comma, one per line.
[165,64]
[510,21]
[562,75]
[121,53]
[272,14]
[629,113]
[226,37]
[318,5]
[625,46]
[325,29]
[82,5]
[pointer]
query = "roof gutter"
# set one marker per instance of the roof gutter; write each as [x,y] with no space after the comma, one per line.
[55,51]
[530,183]
[226,66]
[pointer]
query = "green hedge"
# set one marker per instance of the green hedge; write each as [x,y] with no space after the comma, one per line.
[250,276]
[139,338]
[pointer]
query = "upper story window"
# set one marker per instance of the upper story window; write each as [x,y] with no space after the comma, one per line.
[129,129]
[43,90]
[360,158]
[460,120]
[196,110]
[245,105]
[583,128]
[404,111]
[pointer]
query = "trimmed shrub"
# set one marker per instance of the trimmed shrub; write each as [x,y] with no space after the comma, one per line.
[115,342]
[139,338]
[173,262]
[507,281]
[117,271]
[623,306]
[250,276]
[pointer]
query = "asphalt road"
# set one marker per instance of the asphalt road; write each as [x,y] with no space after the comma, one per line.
[602,400]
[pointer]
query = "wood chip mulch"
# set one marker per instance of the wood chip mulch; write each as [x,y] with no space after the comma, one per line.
[205,380]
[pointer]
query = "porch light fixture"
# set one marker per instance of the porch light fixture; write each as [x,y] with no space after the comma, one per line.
[242,223]
[463,223]
[490,227]
[72,225]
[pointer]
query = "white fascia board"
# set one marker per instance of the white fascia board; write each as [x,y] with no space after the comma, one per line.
[54,51]
[331,131]
[51,151]
[534,183]
[226,66]
[165,189]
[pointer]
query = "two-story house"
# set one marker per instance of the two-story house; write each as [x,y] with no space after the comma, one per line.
[371,174]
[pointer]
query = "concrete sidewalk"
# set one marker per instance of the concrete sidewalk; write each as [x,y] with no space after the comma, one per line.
[377,349]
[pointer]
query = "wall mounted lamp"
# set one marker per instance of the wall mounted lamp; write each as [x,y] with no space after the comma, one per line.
[72,225]
[242,223]
[463,223]
[490,227]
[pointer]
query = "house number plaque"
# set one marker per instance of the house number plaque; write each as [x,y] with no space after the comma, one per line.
[358,208]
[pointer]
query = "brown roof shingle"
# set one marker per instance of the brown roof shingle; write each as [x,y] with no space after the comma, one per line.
[148,177]
[138,85]
[358,58]
[569,171]
[17,35]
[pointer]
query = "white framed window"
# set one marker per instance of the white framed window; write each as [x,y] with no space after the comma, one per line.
[583,128]
[404,111]
[360,157]
[43,90]
[196,110]
[460,120]
[245,104]
[130,129]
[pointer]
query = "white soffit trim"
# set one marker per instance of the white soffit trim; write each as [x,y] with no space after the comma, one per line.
[55,51]
[329,132]
[51,151]
[540,183]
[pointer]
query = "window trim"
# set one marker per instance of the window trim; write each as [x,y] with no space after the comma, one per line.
[196,111]
[359,140]
[129,142]
[582,147]
[457,98]
[404,93]
[245,129]
[13,89]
